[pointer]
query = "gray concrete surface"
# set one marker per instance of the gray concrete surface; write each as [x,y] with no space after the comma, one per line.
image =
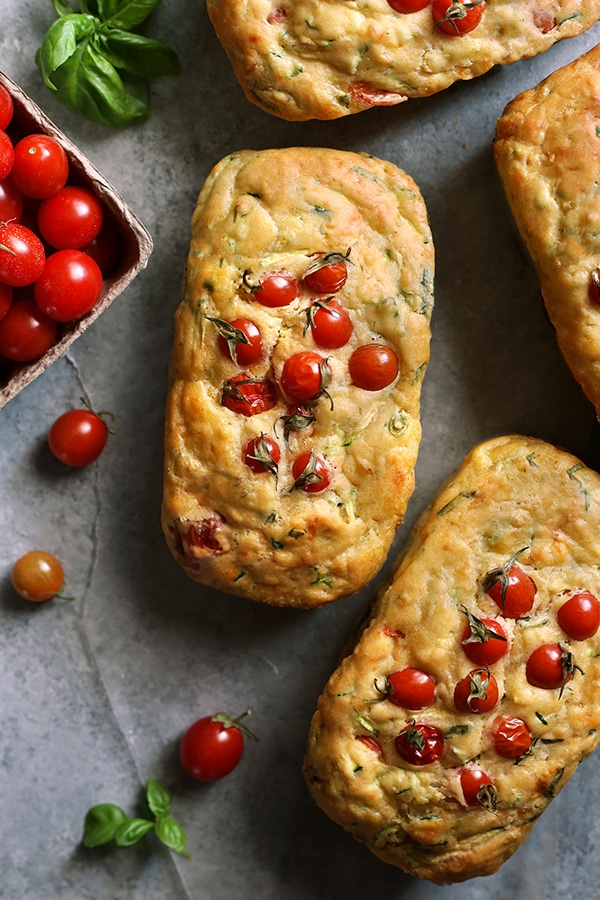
[95,693]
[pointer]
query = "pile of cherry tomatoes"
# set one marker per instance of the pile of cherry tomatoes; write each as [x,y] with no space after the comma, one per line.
[55,246]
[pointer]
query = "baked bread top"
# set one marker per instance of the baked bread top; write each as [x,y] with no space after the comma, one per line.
[520,512]
[547,149]
[322,59]
[273,533]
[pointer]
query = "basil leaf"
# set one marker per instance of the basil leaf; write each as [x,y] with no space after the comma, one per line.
[138,54]
[159,799]
[60,43]
[126,13]
[61,9]
[171,834]
[131,831]
[101,823]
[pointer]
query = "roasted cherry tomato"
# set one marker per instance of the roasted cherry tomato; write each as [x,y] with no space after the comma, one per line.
[305,376]
[484,641]
[262,454]
[420,744]
[37,576]
[328,274]
[41,166]
[71,218]
[25,332]
[373,366]
[6,294]
[69,286]
[579,616]
[411,688]
[550,666]
[240,340]
[511,588]
[277,289]
[511,737]
[477,692]
[248,396]
[78,437]
[457,17]
[203,535]
[7,155]
[477,788]
[408,6]
[22,256]
[371,742]
[6,108]
[11,201]
[213,746]
[330,324]
[310,473]
[106,249]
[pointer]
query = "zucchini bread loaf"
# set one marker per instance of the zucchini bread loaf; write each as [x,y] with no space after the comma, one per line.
[547,149]
[292,423]
[472,694]
[322,59]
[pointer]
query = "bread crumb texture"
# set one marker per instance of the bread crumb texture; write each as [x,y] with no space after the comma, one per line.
[322,59]
[515,503]
[259,530]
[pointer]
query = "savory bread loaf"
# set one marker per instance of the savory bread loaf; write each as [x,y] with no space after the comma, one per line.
[472,693]
[547,149]
[292,423]
[322,59]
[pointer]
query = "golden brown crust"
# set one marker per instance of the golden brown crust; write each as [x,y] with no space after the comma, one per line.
[511,493]
[268,211]
[324,59]
[547,149]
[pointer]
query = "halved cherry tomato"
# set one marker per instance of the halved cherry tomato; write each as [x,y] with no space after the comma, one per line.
[70,285]
[213,746]
[484,641]
[37,576]
[7,155]
[550,666]
[239,339]
[330,323]
[311,473]
[457,17]
[277,289]
[11,201]
[511,588]
[373,366]
[328,274]
[6,108]
[78,437]
[478,788]
[248,396]
[408,6]
[511,737]
[71,218]
[22,256]
[420,744]
[41,166]
[305,376]
[579,616]
[6,295]
[477,692]
[25,332]
[411,688]
[262,454]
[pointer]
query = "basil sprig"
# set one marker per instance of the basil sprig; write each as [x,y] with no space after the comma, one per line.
[98,66]
[107,822]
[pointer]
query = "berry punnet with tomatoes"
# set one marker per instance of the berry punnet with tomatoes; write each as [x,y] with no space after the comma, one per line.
[471,696]
[301,343]
[323,59]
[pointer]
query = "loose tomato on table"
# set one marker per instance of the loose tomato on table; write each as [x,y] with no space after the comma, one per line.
[477,692]
[276,289]
[511,588]
[71,218]
[305,376]
[41,167]
[69,286]
[328,274]
[78,437]
[420,744]
[330,323]
[248,396]
[411,688]
[579,616]
[37,576]
[22,255]
[213,746]
[457,17]
[25,332]
[311,473]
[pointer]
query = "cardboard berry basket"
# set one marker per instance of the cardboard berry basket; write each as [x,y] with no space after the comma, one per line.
[136,242]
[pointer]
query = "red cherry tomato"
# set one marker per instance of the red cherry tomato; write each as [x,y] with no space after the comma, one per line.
[328,274]
[6,294]
[37,576]
[411,688]
[477,788]
[240,339]
[106,249]
[477,692]
[550,666]
[484,641]
[212,747]
[25,332]
[457,17]
[11,201]
[310,473]
[71,218]
[277,289]
[78,437]
[261,454]
[41,166]
[69,286]
[511,737]
[512,589]
[7,155]
[420,744]
[248,396]
[6,108]
[204,534]
[594,286]
[408,6]
[371,742]
[305,376]
[22,256]
[373,366]
[579,616]
[330,324]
